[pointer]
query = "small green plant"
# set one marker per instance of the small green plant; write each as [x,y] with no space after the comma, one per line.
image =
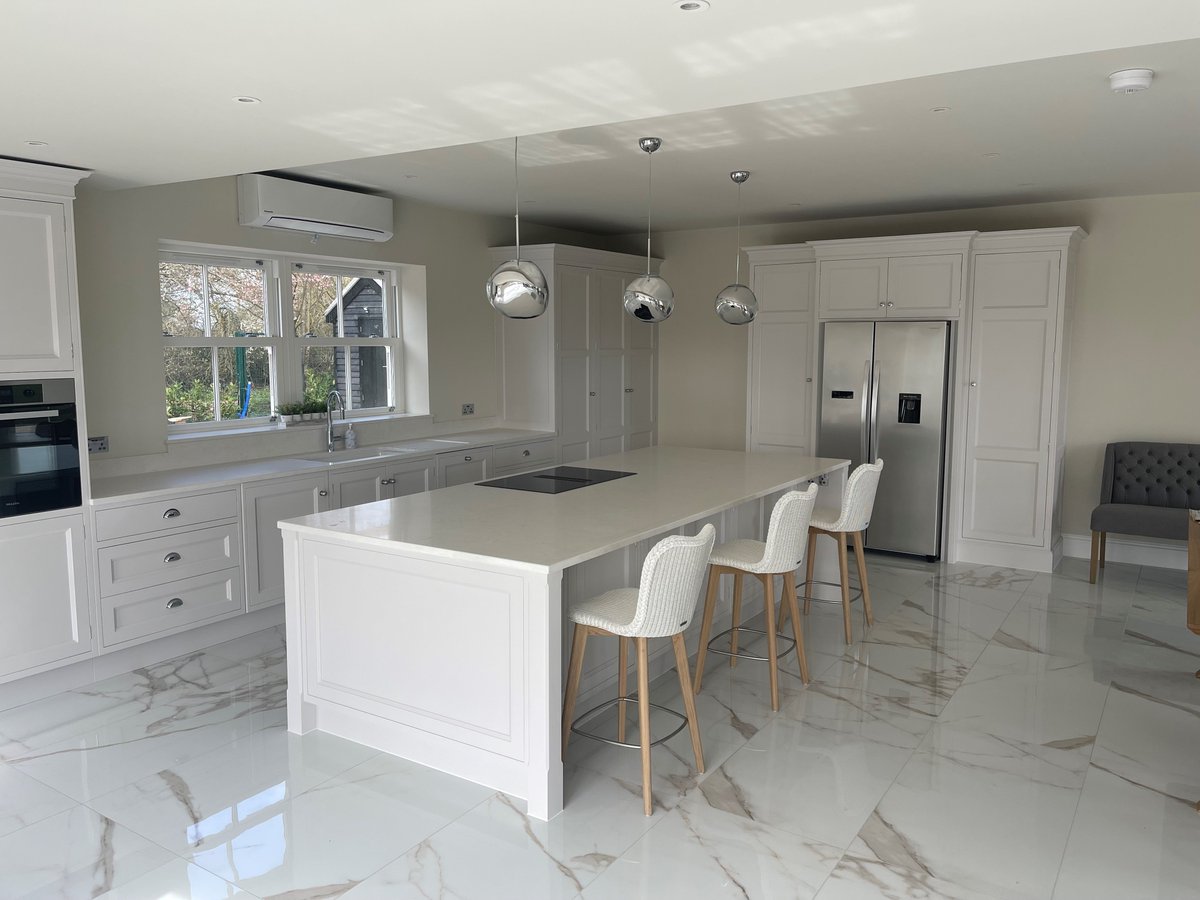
[291,409]
[314,406]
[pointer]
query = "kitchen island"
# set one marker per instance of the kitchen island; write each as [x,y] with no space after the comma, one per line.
[431,626]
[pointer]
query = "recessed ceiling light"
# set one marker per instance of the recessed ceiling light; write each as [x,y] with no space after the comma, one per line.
[991,156]
[246,99]
[691,5]
[940,109]
[36,144]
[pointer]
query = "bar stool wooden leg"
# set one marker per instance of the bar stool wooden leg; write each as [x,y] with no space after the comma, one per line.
[1103,546]
[643,659]
[793,606]
[689,701]
[710,602]
[862,576]
[574,670]
[622,692]
[1095,557]
[737,616]
[844,566]
[808,569]
[772,656]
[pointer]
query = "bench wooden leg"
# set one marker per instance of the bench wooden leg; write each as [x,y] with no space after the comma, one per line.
[1103,546]
[1095,557]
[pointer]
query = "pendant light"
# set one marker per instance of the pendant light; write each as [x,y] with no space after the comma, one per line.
[517,289]
[649,298]
[736,303]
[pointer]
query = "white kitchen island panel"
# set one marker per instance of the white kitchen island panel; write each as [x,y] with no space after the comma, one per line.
[431,626]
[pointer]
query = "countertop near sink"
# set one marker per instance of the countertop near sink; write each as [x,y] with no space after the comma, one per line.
[150,484]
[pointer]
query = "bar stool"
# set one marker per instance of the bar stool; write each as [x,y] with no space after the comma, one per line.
[781,554]
[852,519]
[661,606]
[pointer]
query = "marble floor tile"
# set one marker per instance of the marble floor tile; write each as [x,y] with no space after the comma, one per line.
[76,853]
[260,649]
[24,800]
[178,880]
[337,834]
[809,781]
[929,676]
[697,851]
[939,621]
[1130,840]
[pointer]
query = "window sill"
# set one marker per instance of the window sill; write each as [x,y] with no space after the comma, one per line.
[280,428]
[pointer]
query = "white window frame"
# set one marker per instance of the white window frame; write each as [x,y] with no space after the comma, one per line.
[287,349]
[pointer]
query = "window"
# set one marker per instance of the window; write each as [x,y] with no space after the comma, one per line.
[241,341]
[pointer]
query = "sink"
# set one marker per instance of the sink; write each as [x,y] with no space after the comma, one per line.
[428,444]
[360,454]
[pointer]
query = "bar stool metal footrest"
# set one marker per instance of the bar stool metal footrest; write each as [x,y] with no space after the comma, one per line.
[575,729]
[741,654]
[857,595]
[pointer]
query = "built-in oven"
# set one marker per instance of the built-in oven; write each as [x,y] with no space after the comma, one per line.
[39,447]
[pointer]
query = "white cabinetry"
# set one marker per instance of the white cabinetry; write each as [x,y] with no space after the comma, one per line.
[464,467]
[264,504]
[167,565]
[395,479]
[896,277]
[45,606]
[1015,397]
[513,458]
[780,397]
[37,268]
[584,369]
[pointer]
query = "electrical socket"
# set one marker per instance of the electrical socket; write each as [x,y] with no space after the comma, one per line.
[468,409]
[98,444]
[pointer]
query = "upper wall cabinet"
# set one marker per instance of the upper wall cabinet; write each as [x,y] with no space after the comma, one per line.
[882,278]
[36,268]
[584,369]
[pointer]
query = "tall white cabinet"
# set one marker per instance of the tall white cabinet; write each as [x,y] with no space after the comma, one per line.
[1008,494]
[584,369]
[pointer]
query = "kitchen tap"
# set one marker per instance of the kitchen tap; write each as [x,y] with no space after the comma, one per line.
[331,437]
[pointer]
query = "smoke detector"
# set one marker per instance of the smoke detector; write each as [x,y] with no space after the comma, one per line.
[1130,81]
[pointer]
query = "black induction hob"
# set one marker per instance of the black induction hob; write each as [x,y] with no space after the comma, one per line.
[555,481]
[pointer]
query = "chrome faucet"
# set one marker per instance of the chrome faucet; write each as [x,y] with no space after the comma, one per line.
[331,437]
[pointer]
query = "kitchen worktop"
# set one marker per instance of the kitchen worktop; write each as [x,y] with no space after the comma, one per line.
[151,484]
[671,486]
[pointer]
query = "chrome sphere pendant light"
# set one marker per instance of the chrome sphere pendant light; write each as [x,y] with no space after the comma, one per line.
[736,303]
[517,289]
[649,298]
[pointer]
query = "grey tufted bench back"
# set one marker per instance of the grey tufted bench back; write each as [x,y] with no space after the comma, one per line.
[1152,474]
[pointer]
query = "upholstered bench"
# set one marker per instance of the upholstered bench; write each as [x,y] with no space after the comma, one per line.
[1146,490]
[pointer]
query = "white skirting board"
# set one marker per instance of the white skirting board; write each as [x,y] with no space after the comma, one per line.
[1161,554]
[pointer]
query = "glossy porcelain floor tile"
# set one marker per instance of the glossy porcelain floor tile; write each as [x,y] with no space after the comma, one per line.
[260,649]
[178,880]
[697,851]
[24,800]
[809,781]
[76,853]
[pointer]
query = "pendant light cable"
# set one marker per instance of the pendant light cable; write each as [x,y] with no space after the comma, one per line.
[649,202]
[517,194]
[737,260]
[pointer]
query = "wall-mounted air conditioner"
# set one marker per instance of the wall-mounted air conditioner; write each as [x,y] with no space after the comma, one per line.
[268,202]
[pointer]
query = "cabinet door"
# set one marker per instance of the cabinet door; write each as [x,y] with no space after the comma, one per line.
[358,486]
[415,477]
[852,288]
[45,606]
[1013,345]
[464,468]
[639,398]
[575,388]
[781,381]
[36,336]
[924,285]
[608,360]
[263,506]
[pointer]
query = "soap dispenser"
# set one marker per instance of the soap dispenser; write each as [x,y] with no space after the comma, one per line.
[351,437]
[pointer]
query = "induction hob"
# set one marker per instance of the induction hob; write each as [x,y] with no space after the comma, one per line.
[555,481]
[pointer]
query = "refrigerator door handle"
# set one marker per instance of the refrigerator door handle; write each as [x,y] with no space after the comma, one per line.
[864,446]
[874,454]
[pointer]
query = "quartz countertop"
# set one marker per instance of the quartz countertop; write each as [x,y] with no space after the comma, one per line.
[152,484]
[672,486]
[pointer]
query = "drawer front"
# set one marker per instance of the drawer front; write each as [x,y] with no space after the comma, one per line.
[534,455]
[163,515]
[464,467]
[127,567]
[161,610]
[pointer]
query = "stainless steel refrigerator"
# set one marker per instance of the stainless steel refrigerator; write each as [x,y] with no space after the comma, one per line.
[883,394]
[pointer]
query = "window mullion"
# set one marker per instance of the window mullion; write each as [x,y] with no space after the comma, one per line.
[216,381]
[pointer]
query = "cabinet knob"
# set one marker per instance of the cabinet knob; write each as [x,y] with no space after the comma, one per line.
[809,380]
[524,452]
[890,304]
[389,481]
[591,393]
[466,459]
[882,304]
[175,603]
[171,513]
[172,557]
[974,384]
[629,390]
[323,493]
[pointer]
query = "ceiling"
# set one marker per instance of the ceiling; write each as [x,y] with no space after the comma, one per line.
[826,103]
[1056,130]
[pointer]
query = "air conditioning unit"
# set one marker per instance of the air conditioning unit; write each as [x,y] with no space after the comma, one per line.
[268,202]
